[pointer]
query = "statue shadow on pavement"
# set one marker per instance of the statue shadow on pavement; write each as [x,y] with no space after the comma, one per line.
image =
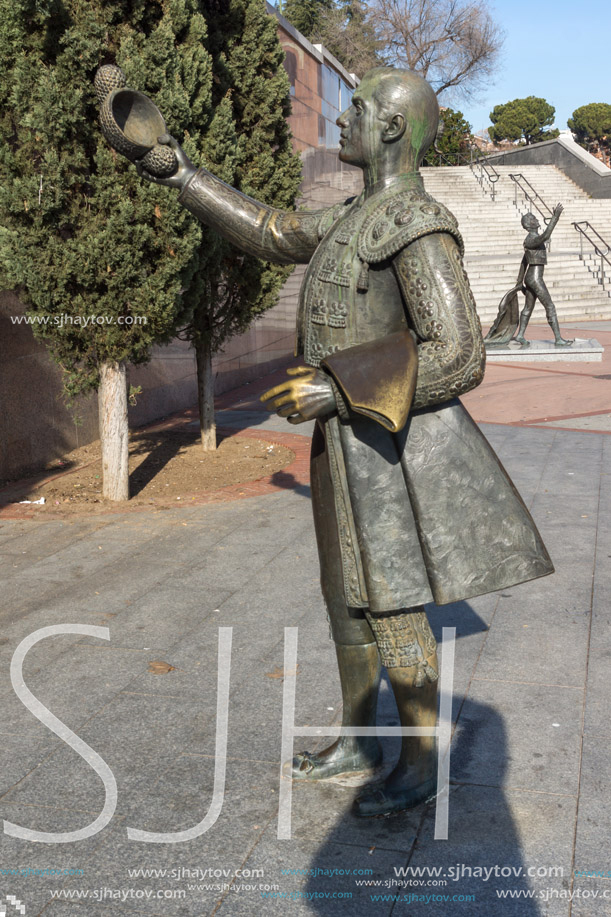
[482,832]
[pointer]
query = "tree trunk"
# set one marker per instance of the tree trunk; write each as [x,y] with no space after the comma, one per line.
[114,431]
[205,395]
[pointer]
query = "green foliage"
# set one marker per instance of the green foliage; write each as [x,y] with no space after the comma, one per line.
[454,143]
[248,146]
[523,119]
[591,124]
[80,233]
[306,15]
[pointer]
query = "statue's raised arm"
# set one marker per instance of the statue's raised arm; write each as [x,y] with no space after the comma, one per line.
[135,127]
[282,236]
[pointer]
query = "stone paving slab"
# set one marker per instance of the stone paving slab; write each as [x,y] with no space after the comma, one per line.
[34,890]
[594,899]
[518,735]
[597,423]
[314,894]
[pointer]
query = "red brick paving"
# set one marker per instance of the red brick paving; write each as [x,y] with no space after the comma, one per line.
[530,393]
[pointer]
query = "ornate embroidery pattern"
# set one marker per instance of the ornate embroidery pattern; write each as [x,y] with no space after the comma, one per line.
[319,311]
[334,272]
[346,233]
[439,300]
[405,639]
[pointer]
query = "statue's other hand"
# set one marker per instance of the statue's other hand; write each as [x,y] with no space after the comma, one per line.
[558,209]
[183,173]
[308,394]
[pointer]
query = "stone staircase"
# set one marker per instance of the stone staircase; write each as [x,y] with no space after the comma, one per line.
[493,234]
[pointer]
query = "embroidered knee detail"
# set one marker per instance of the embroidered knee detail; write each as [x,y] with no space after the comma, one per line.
[405,639]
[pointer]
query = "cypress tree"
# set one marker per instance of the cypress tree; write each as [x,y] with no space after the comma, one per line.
[82,238]
[248,145]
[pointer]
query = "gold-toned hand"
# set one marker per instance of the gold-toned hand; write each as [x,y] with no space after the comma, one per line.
[304,396]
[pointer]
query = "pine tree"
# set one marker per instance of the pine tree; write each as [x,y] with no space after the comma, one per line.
[248,145]
[527,120]
[81,235]
[591,125]
[454,143]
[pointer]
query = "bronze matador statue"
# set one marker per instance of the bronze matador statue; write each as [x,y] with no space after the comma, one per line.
[411,505]
[531,283]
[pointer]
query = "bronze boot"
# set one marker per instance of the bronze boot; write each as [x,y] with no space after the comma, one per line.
[359,671]
[414,778]
[408,649]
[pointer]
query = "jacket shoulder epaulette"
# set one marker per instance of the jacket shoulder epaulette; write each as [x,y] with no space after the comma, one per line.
[398,220]
[332,215]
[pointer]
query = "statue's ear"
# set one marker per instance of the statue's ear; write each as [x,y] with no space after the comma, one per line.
[395,128]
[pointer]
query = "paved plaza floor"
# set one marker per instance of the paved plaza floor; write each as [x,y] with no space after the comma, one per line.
[530,773]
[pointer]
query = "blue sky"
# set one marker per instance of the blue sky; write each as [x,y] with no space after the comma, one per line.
[558,50]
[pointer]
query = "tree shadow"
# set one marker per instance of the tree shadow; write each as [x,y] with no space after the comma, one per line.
[162,447]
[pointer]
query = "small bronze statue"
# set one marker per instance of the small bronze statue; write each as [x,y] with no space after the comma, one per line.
[530,282]
[411,505]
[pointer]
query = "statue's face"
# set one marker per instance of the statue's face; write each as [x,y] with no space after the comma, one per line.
[362,126]
[530,222]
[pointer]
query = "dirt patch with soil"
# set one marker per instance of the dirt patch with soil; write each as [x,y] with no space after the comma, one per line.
[165,467]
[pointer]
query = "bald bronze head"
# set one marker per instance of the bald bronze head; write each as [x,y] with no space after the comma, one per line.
[393,113]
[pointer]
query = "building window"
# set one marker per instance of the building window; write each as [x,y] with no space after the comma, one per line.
[290,65]
[322,131]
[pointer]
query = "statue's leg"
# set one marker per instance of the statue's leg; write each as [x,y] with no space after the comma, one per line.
[545,298]
[355,646]
[359,672]
[527,311]
[409,652]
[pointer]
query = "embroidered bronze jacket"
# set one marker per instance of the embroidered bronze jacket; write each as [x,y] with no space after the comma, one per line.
[424,509]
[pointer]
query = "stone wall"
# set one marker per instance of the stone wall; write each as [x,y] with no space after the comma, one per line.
[580,166]
[35,424]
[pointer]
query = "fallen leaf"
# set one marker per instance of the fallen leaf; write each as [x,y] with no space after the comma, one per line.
[157,667]
[280,673]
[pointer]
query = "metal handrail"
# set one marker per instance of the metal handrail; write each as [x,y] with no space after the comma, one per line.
[487,172]
[531,196]
[584,228]
[534,199]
